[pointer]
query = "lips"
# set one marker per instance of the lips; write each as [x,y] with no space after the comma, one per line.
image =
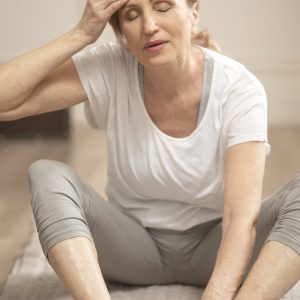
[154,43]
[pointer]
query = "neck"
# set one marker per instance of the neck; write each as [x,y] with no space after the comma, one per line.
[175,80]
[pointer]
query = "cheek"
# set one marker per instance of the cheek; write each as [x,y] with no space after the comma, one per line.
[132,39]
[130,31]
[131,43]
[181,31]
[179,21]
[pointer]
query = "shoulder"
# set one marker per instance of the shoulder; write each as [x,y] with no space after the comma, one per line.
[227,63]
[231,74]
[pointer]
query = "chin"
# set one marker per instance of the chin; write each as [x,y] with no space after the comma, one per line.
[157,62]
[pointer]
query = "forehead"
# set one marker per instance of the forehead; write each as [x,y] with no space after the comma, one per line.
[142,3]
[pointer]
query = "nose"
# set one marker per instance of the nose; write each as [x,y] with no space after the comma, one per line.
[150,24]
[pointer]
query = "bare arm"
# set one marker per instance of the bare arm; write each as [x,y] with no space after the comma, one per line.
[242,202]
[41,80]
[46,78]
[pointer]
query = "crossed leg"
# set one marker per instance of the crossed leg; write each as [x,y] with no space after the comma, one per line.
[273,270]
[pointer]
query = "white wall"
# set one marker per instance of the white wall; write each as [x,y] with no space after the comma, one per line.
[261,34]
[25,25]
[264,35]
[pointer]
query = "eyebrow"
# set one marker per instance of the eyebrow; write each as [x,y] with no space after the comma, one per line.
[128,6]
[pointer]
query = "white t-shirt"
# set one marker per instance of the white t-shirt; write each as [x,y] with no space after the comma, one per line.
[159,180]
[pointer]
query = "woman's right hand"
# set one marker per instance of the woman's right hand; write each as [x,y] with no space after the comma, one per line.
[46,78]
[96,15]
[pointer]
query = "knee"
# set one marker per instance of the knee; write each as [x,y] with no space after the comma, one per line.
[46,177]
[41,167]
[294,184]
[37,171]
[43,170]
[297,178]
[291,192]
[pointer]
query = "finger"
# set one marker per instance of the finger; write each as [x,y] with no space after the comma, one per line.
[99,5]
[115,6]
[110,6]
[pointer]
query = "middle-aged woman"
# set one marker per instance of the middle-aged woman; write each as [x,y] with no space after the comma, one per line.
[186,130]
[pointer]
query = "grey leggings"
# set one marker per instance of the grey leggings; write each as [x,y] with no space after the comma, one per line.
[64,207]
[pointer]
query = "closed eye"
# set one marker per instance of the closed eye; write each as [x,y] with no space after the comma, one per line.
[162,6]
[132,15]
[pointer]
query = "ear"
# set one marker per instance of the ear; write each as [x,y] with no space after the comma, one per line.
[195,11]
[194,16]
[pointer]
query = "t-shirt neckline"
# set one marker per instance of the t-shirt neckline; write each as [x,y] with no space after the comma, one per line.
[204,114]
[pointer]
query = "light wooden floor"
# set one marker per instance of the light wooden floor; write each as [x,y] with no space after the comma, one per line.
[85,151]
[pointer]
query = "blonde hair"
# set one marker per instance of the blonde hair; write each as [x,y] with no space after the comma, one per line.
[202,38]
[205,39]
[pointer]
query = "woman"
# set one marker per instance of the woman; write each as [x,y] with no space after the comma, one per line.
[186,130]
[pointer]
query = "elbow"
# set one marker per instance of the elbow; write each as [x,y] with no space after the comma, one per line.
[244,214]
[14,113]
[9,115]
[240,228]
[244,222]
[4,116]
[13,109]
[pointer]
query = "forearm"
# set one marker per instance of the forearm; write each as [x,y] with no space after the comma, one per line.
[232,260]
[21,75]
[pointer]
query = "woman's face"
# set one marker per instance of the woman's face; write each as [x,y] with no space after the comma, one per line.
[158,32]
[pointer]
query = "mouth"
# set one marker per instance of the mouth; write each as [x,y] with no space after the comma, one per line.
[154,44]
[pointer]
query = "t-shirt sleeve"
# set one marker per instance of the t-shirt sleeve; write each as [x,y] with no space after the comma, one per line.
[245,112]
[97,68]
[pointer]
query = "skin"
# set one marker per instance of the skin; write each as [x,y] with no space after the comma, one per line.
[75,261]
[270,278]
[46,80]
[142,21]
[242,201]
[172,21]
